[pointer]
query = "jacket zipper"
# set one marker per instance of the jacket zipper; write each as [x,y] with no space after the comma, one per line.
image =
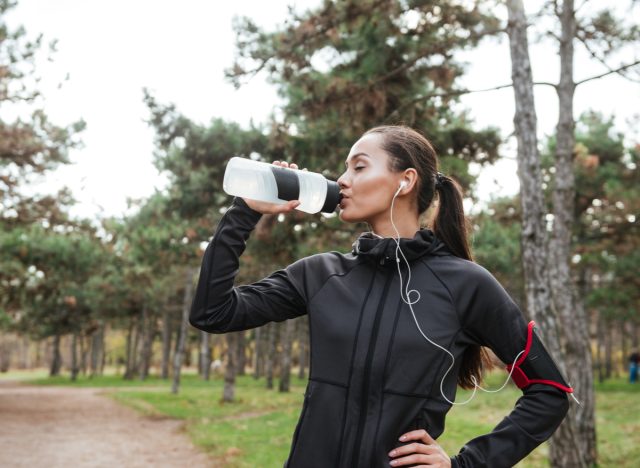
[367,376]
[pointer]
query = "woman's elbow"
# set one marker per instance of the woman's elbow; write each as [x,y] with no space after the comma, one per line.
[211,321]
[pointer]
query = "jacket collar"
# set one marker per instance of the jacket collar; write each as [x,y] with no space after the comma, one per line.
[383,249]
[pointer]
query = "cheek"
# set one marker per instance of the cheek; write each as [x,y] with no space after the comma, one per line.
[371,185]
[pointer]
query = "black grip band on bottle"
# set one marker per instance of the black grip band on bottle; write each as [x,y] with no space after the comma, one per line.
[333,197]
[287,183]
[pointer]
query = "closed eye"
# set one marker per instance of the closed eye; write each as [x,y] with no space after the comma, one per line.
[360,167]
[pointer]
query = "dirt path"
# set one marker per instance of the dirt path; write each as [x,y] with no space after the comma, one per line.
[79,427]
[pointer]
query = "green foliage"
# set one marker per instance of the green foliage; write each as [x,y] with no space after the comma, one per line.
[29,145]
[496,243]
[346,66]
[43,287]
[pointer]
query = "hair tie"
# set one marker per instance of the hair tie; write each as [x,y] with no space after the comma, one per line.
[440,178]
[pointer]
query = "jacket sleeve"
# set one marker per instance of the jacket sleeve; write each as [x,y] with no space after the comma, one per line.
[219,306]
[494,320]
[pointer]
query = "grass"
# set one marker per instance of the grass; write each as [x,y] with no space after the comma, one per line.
[256,430]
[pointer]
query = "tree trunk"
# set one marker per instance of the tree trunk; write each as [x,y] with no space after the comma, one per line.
[25,354]
[205,355]
[84,350]
[608,345]
[534,236]
[148,335]
[258,355]
[166,342]
[600,346]
[285,361]
[624,344]
[131,349]
[184,323]
[270,358]
[97,349]
[5,354]
[242,354]
[56,361]
[74,356]
[228,393]
[575,335]
[303,350]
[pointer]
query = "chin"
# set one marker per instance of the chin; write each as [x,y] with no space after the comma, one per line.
[345,216]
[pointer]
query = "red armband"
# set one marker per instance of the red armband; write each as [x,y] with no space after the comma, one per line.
[536,365]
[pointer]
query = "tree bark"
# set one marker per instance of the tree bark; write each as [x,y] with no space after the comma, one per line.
[5,353]
[242,353]
[608,351]
[600,346]
[148,335]
[205,355]
[132,341]
[97,350]
[74,356]
[303,348]
[534,236]
[184,323]
[624,344]
[82,341]
[575,334]
[270,357]
[258,355]
[228,393]
[285,361]
[166,342]
[25,354]
[56,360]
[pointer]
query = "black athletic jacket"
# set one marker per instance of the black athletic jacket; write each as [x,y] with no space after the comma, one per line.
[372,375]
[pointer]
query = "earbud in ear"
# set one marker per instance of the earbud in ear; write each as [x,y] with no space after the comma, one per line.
[403,184]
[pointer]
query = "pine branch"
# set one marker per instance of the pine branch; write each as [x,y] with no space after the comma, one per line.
[610,72]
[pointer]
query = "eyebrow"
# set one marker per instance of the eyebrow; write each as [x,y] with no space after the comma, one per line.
[355,156]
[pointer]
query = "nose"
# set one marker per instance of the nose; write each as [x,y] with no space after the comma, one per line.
[342,181]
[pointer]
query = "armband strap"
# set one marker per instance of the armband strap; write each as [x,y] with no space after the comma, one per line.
[536,365]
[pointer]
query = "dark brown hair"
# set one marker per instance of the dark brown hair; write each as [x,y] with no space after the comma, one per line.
[407,148]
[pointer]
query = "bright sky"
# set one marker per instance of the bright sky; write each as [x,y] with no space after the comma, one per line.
[179,49]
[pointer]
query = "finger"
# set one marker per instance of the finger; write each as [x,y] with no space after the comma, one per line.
[419,434]
[289,206]
[414,460]
[413,448]
[294,166]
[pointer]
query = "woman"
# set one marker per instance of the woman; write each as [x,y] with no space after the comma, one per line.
[378,389]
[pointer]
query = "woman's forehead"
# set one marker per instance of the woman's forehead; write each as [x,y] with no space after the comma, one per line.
[368,144]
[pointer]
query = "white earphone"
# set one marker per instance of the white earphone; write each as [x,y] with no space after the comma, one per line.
[403,184]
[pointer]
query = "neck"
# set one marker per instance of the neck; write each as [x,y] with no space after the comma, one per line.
[407,225]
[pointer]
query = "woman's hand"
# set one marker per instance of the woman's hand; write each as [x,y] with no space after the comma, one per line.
[274,208]
[424,453]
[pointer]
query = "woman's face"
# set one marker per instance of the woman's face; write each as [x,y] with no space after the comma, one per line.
[367,184]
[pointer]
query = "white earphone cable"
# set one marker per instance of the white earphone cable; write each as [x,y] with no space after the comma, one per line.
[408,302]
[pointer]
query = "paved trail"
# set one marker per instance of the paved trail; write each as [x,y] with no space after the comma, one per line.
[79,427]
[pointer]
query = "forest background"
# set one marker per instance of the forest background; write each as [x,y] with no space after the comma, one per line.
[93,290]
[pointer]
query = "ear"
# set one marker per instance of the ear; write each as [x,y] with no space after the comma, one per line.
[410,176]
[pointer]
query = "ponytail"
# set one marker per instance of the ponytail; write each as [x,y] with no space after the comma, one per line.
[451,225]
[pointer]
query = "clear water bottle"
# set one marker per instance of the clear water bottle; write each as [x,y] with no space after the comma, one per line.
[266,182]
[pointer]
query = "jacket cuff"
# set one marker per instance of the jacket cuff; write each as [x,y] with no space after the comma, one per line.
[454,462]
[242,206]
